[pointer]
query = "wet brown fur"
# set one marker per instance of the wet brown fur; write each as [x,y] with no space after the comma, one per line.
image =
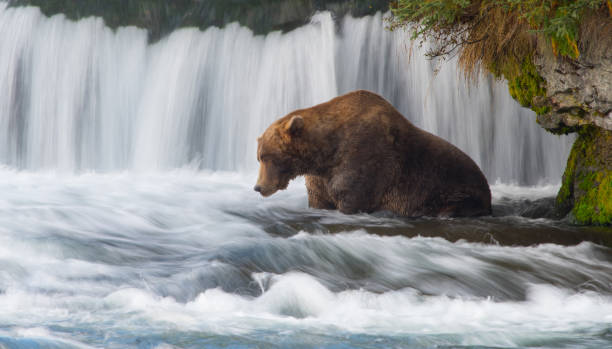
[359,154]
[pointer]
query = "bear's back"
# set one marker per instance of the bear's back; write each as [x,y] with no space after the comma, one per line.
[431,167]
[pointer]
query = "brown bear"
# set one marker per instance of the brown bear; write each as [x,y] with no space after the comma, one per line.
[359,154]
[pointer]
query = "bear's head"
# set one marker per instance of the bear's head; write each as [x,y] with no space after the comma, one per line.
[279,155]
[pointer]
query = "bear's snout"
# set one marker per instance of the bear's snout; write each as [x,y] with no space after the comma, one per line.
[269,180]
[265,192]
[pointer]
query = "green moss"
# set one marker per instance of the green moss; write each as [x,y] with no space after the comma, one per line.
[595,207]
[587,181]
[565,195]
[524,82]
[563,130]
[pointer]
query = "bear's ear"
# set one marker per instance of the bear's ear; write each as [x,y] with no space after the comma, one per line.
[295,125]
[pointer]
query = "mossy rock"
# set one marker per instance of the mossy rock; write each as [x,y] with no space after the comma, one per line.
[525,84]
[586,191]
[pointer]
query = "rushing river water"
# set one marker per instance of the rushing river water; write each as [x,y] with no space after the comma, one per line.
[128,219]
[197,259]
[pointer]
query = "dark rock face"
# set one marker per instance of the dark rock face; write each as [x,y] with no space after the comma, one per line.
[160,17]
[579,92]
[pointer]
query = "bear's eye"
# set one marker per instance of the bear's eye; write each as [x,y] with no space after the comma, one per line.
[282,166]
[266,157]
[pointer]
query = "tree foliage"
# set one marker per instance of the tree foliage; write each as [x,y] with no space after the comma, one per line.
[450,21]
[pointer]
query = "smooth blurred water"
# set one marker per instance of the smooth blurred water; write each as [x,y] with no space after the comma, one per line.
[128,219]
[78,96]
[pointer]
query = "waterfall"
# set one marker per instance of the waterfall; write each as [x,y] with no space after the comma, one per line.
[79,96]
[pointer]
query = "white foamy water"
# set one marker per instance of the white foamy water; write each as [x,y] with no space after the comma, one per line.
[104,260]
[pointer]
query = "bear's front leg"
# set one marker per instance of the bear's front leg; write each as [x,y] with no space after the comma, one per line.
[318,196]
[353,193]
[350,205]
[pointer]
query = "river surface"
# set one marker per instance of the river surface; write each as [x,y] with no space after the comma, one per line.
[128,218]
[190,259]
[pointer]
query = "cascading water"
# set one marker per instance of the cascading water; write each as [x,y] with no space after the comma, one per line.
[128,219]
[78,96]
